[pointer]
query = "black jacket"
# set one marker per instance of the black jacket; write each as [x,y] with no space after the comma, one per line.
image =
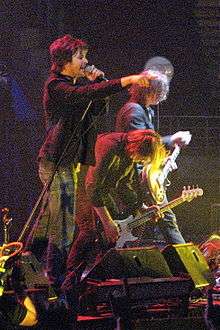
[64,104]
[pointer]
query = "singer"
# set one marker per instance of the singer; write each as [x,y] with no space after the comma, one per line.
[70,111]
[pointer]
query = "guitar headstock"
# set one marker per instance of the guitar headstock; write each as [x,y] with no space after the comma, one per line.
[189,193]
[5,216]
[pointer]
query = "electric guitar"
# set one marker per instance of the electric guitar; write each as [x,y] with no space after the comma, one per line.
[131,222]
[156,179]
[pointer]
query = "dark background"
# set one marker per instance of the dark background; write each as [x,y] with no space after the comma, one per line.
[122,36]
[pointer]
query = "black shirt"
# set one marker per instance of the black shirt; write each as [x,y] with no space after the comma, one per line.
[64,104]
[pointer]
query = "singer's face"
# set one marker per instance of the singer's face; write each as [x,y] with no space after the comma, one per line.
[77,65]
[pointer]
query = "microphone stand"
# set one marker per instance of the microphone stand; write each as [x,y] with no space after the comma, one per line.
[6,221]
[158,117]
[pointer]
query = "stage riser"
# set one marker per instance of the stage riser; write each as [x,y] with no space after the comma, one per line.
[170,324]
[140,290]
[147,324]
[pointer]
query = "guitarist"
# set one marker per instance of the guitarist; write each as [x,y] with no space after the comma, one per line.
[137,114]
[115,172]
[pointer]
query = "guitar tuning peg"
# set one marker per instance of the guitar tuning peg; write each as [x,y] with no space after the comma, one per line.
[184,187]
[188,187]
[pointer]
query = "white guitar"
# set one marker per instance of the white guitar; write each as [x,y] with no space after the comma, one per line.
[156,179]
[131,222]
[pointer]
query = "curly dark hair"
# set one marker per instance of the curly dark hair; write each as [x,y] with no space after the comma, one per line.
[160,64]
[62,49]
[159,86]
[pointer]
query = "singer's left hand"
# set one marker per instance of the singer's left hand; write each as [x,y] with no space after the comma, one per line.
[94,73]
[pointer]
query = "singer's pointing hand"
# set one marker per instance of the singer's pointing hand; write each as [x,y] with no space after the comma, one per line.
[142,79]
[93,73]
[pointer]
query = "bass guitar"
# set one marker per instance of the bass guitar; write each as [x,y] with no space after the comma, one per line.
[127,225]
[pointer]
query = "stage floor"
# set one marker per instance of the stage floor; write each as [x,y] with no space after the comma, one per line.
[158,316]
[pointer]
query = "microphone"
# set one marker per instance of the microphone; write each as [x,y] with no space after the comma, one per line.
[89,68]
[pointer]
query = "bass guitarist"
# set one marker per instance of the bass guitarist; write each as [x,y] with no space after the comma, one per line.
[137,114]
[115,174]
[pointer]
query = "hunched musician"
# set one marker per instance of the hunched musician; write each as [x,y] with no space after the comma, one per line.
[115,175]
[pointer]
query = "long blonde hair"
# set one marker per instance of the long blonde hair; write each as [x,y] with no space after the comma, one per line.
[146,145]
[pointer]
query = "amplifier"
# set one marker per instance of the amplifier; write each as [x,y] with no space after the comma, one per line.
[188,259]
[129,263]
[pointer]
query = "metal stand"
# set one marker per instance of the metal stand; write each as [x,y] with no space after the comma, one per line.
[6,221]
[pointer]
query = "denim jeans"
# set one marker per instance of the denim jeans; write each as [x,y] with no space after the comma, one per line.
[67,220]
[169,229]
[56,226]
[84,244]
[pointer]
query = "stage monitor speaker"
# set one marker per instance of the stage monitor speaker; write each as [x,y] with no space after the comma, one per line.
[187,258]
[128,263]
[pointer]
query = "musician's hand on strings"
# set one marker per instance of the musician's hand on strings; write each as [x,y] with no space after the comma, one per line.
[182,138]
[154,210]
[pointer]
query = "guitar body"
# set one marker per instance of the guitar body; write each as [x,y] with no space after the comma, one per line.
[157,180]
[125,233]
[156,187]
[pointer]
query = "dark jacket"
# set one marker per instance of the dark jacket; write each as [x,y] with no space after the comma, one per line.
[135,116]
[114,179]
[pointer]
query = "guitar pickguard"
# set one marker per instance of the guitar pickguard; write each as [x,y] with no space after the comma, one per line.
[157,179]
[156,187]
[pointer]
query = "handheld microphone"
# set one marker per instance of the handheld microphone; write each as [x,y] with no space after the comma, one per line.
[89,68]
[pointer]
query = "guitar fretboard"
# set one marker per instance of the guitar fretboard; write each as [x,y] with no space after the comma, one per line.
[141,220]
[187,195]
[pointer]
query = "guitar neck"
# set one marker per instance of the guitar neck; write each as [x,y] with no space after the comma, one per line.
[175,152]
[187,196]
[173,157]
[172,204]
[144,218]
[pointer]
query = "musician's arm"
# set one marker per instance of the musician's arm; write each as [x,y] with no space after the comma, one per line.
[109,225]
[181,138]
[96,191]
[167,140]
[98,182]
